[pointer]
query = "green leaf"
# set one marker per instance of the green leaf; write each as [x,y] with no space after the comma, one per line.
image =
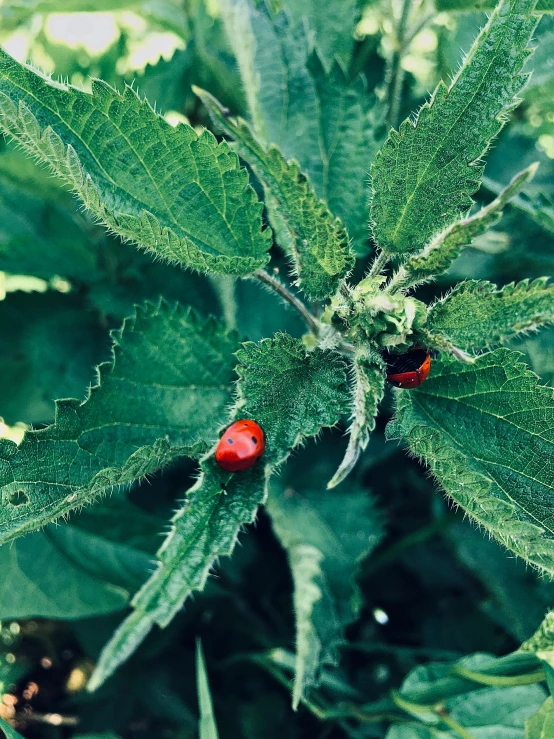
[303,225]
[50,345]
[331,26]
[207,728]
[323,120]
[9,731]
[66,573]
[425,174]
[324,534]
[444,248]
[292,394]
[164,396]
[538,207]
[542,642]
[369,387]
[177,193]
[541,724]
[484,430]
[477,314]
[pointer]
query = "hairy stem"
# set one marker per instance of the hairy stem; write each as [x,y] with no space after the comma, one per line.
[277,286]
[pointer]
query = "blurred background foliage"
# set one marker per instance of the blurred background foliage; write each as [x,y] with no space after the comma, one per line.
[433,588]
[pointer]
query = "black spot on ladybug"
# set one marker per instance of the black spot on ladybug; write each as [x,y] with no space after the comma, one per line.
[230,441]
[254,440]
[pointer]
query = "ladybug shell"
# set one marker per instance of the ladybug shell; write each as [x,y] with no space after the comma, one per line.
[240,446]
[408,370]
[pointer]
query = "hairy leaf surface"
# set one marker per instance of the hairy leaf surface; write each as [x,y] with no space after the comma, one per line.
[178,193]
[292,394]
[444,248]
[478,314]
[163,396]
[425,174]
[485,430]
[316,116]
[303,225]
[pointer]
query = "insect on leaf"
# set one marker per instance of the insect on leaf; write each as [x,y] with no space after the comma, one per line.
[162,397]
[292,394]
[485,430]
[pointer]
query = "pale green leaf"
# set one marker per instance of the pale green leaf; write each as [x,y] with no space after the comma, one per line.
[542,642]
[173,191]
[164,396]
[292,394]
[485,431]
[425,174]
[324,534]
[541,724]
[369,387]
[207,728]
[304,227]
[331,25]
[321,119]
[478,314]
[444,248]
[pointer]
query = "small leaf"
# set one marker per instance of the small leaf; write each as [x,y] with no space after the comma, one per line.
[177,193]
[424,175]
[292,394]
[163,397]
[485,431]
[477,314]
[369,379]
[303,225]
[444,248]
[542,641]
[207,728]
[325,535]
[541,724]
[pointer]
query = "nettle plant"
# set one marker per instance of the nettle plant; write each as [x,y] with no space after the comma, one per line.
[481,421]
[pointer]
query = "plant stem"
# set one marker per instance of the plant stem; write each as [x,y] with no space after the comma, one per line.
[378,264]
[455,726]
[284,292]
[395,73]
[502,681]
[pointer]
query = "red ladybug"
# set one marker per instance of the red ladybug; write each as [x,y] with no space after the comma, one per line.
[241,446]
[408,370]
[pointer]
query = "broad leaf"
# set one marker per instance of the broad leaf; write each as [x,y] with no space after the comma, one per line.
[9,731]
[163,396]
[292,394]
[66,573]
[369,379]
[444,248]
[485,431]
[304,227]
[541,724]
[478,314]
[50,345]
[425,174]
[178,193]
[325,535]
[319,118]
[207,728]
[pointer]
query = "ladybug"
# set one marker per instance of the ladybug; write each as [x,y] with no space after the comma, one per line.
[408,370]
[240,446]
